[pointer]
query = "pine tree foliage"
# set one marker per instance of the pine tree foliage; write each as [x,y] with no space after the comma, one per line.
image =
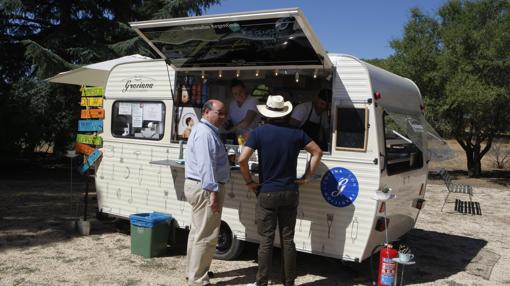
[46,62]
[39,39]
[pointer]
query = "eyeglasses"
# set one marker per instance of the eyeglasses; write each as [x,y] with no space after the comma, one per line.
[220,113]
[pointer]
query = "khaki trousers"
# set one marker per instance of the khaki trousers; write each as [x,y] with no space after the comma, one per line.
[203,236]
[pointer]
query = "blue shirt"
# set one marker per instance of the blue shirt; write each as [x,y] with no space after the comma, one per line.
[206,157]
[278,150]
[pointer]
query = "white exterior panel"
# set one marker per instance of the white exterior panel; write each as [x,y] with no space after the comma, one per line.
[128,183]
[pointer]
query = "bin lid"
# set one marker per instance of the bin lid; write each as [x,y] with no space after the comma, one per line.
[272,38]
[149,219]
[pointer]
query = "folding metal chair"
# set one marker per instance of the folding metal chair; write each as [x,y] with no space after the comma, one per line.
[454,188]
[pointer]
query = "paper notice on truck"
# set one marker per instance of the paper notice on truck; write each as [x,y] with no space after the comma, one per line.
[137,115]
[125,108]
[152,111]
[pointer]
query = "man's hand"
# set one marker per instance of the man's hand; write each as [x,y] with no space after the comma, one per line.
[253,186]
[213,202]
[302,181]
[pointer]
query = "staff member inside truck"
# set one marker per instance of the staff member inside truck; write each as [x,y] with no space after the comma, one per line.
[312,117]
[242,110]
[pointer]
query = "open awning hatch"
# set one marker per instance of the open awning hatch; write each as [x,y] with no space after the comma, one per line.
[415,129]
[274,38]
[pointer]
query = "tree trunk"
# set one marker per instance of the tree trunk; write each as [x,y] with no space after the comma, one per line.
[473,157]
[469,159]
[476,168]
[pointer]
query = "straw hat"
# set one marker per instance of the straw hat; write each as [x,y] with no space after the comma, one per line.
[275,107]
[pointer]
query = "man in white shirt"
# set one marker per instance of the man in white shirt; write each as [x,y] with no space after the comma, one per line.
[242,110]
[313,118]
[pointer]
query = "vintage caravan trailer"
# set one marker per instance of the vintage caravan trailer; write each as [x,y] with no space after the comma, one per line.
[377,131]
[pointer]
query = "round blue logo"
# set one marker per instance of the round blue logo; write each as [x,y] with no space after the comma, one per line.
[339,187]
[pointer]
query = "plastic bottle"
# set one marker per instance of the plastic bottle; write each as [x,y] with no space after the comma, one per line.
[240,140]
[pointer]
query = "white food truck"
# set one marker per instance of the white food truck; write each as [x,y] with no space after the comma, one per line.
[377,135]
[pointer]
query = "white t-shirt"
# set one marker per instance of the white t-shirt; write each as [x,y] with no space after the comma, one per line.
[237,113]
[302,111]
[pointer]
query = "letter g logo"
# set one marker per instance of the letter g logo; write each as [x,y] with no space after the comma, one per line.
[339,187]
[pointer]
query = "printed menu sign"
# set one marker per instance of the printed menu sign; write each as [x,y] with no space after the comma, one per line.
[152,111]
[137,115]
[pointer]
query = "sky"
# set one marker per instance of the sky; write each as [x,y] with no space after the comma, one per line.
[362,28]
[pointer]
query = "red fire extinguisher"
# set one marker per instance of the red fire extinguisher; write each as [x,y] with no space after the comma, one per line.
[387,267]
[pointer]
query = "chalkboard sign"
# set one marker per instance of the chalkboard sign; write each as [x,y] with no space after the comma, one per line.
[351,128]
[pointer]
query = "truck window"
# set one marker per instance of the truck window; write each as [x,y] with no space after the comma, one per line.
[194,88]
[402,133]
[138,119]
[351,128]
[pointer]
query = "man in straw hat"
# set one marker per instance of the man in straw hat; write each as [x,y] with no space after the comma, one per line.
[278,147]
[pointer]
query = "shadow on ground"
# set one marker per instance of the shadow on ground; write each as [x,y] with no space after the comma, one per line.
[35,210]
[37,207]
[459,252]
[334,271]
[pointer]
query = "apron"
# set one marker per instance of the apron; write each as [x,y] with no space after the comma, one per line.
[313,129]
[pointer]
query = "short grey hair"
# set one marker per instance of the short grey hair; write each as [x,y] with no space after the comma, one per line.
[208,105]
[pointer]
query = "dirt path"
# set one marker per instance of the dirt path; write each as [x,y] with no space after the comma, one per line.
[35,249]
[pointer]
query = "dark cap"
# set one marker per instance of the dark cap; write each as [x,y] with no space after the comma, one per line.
[325,94]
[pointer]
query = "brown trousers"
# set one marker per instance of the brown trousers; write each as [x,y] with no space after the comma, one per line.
[277,208]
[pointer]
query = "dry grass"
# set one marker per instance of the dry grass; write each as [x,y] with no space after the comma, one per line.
[492,177]
[36,247]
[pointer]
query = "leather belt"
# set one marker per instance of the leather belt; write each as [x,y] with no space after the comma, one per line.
[197,180]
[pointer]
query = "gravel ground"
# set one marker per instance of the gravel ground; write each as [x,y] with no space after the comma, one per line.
[36,247]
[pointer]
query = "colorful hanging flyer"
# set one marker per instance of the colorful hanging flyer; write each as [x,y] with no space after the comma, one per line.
[89,139]
[92,91]
[97,113]
[83,149]
[91,159]
[91,101]
[90,125]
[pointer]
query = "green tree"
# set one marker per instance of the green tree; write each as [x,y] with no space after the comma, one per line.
[460,59]
[38,39]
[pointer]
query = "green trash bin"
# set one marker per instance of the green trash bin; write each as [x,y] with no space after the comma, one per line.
[149,233]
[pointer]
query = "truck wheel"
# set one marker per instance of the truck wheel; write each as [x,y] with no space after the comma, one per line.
[228,246]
